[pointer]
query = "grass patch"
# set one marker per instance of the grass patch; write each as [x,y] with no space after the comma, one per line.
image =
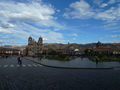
[57,59]
[106,60]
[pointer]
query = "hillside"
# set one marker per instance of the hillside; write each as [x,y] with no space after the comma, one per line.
[60,46]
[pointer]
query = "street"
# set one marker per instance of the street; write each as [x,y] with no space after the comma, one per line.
[33,76]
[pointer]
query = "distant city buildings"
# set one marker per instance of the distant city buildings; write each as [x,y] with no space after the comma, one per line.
[99,49]
[36,48]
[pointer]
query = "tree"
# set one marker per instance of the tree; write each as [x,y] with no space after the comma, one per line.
[89,52]
[62,56]
[52,52]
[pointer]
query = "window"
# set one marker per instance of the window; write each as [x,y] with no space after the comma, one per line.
[7,51]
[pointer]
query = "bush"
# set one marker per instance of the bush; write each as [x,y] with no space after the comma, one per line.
[108,59]
[113,59]
[62,56]
[100,56]
[105,59]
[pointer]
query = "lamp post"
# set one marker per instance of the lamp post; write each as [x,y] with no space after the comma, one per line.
[46,52]
[68,51]
[11,53]
[114,52]
[89,52]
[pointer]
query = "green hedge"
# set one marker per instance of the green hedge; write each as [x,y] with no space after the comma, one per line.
[106,59]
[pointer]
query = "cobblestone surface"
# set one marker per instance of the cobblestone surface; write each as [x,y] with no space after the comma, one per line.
[45,78]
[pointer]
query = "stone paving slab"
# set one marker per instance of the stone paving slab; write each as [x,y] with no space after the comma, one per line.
[76,64]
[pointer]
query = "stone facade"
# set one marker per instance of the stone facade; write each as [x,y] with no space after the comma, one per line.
[33,47]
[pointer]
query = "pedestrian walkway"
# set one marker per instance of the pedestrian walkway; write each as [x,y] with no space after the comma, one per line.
[23,65]
[77,63]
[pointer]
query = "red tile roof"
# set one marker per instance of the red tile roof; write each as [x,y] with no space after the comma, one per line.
[8,49]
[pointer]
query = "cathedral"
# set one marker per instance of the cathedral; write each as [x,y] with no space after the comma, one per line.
[33,47]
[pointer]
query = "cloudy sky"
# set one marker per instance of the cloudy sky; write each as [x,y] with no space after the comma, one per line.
[59,21]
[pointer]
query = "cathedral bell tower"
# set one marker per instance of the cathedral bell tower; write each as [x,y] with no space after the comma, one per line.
[40,43]
[30,40]
[40,40]
[98,44]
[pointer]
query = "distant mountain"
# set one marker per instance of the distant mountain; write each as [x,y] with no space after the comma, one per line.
[71,46]
[7,46]
[52,45]
[15,46]
[61,46]
[92,45]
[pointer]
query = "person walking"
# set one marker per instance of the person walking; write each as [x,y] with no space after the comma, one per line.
[19,61]
[96,59]
[39,57]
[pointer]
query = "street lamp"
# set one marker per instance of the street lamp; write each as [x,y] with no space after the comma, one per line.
[11,53]
[68,51]
[89,52]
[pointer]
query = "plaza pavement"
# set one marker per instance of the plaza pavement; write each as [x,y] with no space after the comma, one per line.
[32,76]
[77,63]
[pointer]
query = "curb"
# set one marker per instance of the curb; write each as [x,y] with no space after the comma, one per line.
[71,67]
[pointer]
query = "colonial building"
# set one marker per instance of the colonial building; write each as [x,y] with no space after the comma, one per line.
[33,47]
[115,49]
[9,51]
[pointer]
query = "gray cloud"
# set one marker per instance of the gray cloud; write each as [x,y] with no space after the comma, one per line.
[108,3]
[8,43]
[109,25]
[98,2]
[6,25]
[117,31]
[3,31]
[7,37]
[104,5]
[74,34]
[12,21]
[113,35]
